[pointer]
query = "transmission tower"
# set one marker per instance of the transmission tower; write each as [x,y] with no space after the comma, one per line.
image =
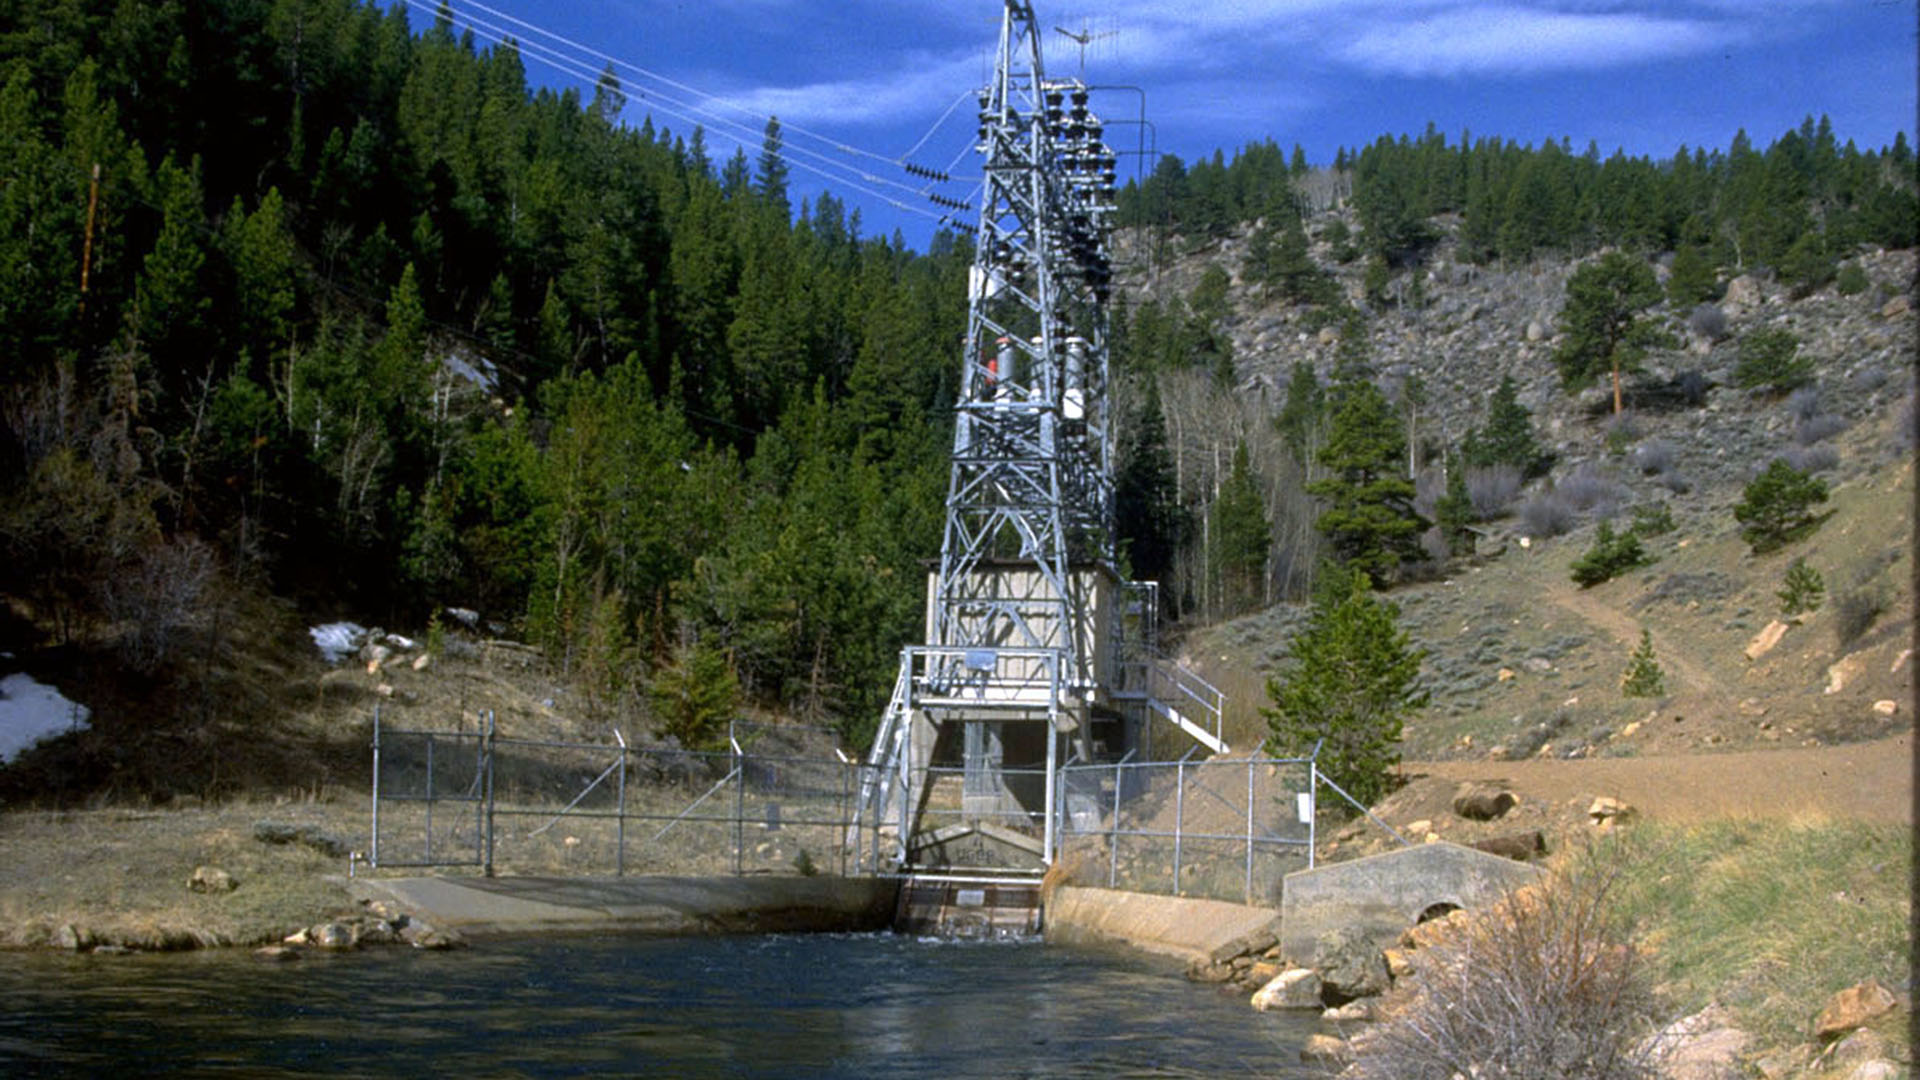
[1027,616]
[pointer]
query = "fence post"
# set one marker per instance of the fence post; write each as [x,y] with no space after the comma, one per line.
[1250,760]
[429,797]
[1179,818]
[1113,831]
[488,868]
[620,813]
[739,806]
[374,844]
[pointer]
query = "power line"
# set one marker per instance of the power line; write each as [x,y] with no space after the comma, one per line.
[693,114]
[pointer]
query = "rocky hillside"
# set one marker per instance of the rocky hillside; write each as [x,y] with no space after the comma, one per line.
[1522,661]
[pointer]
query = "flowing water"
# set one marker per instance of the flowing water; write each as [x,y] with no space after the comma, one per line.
[778,1006]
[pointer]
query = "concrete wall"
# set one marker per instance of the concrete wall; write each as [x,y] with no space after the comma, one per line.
[643,905]
[1385,894]
[1186,929]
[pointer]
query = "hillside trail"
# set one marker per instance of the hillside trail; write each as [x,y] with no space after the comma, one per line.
[1865,781]
[1693,678]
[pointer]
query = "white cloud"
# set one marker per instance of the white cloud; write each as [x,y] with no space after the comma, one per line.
[1514,40]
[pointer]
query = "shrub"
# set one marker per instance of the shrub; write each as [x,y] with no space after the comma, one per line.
[1708,321]
[1643,678]
[1492,489]
[1802,589]
[1545,515]
[1811,459]
[1653,457]
[1589,490]
[1770,359]
[1816,428]
[1610,556]
[1428,489]
[1852,280]
[1777,507]
[1621,431]
[1676,483]
[1803,404]
[1546,983]
[1654,519]
[1854,612]
[1692,386]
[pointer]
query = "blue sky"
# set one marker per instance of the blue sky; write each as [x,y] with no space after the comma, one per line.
[859,83]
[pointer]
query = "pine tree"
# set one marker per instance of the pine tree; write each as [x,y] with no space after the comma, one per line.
[1453,512]
[1301,415]
[1643,676]
[1353,681]
[1241,536]
[1508,437]
[694,697]
[1802,590]
[1601,324]
[1770,358]
[1369,519]
[1776,508]
[1147,510]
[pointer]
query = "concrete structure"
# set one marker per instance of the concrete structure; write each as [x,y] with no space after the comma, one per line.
[1384,894]
[640,905]
[1193,931]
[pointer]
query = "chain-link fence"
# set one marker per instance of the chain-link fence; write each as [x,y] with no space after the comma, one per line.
[1222,829]
[471,798]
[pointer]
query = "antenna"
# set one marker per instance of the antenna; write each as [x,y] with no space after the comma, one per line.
[1084,38]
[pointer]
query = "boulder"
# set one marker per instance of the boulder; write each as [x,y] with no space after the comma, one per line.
[331,935]
[211,879]
[276,954]
[1210,973]
[1521,846]
[1877,1069]
[1399,962]
[1359,1010]
[1350,965]
[1862,1046]
[423,935]
[1704,1046]
[1607,811]
[1297,988]
[72,938]
[1895,308]
[1766,639]
[1853,1007]
[1325,1050]
[1481,802]
[1886,707]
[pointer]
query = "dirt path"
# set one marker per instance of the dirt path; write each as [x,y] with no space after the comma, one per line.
[1868,781]
[1674,654]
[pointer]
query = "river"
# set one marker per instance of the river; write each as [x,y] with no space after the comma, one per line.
[856,1005]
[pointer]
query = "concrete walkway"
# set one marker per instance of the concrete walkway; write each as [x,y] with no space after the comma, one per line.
[644,905]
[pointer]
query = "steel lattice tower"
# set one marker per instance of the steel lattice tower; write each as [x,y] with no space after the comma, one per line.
[1032,468]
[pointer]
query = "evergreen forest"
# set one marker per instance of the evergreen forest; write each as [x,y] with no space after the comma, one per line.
[300,300]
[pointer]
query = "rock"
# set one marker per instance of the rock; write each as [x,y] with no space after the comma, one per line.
[1325,1050]
[1780,1064]
[71,938]
[1257,941]
[1895,308]
[1421,826]
[1427,934]
[1358,1011]
[1627,732]
[1399,962]
[374,932]
[422,662]
[1539,665]
[1535,331]
[1862,1046]
[1210,973]
[1842,673]
[1327,336]
[1349,965]
[1521,846]
[331,935]
[1886,707]
[298,937]
[1480,802]
[422,935]
[1877,1069]
[1765,640]
[1505,675]
[276,954]
[111,950]
[1262,972]
[1297,988]
[1742,292]
[211,879]
[1704,1046]
[1607,811]
[1852,1008]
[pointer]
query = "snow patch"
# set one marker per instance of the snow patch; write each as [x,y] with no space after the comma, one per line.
[474,368]
[31,711]
[337,641]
